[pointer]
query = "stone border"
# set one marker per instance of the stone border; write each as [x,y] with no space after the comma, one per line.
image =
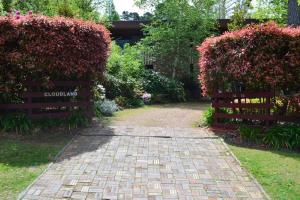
[23,193]
[249,174]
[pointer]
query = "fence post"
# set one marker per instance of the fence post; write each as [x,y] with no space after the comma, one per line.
[88,100]
[268,102]
[29,101]
[215,100]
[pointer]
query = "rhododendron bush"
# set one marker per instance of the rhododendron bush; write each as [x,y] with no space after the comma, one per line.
[43,49]
[262,57]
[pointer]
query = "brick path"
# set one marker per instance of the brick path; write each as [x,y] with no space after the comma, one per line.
[132,162]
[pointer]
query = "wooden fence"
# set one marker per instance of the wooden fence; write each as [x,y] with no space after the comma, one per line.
[254,108]
[57,102]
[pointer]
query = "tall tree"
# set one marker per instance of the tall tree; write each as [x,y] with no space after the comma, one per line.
[225,8]
[111,12]
[240,13]
[85,9]
[125,15]
[293,12]
[7,5]
[270,10]
[130,16]
[147,16]
[178,26]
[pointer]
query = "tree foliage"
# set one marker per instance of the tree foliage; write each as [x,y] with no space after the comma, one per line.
[177,27]
[130,16]
[271,9]
[225,8]
[110,11]
[6,5]
[134,16]
[84,9]
[240,13]
[125,63]
[44,49]
[261,57]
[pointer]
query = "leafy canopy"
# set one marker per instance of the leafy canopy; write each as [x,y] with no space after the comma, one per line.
[261,58]
[125,63]
[177,27]
[84,9]
[42,49]
[271,9]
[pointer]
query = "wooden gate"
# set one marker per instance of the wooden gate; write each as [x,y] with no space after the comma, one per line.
[57,102]
[252,108]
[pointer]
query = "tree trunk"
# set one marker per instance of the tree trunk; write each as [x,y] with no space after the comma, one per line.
[293,13]
[174,72]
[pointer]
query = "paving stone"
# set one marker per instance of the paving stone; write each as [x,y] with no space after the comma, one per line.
[67,194]
[124,162]
[79,195]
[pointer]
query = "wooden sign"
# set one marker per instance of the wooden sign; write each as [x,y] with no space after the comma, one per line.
[61,94]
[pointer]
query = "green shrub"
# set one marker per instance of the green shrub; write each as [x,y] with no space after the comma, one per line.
[283,136]
[125,63]
[112,86]
[77,119]
[17,122]
[21,124]
[129,89]
[115,87]
[250,134]
[124,102]
[134,103]
[264,68]
[208,118]
[121,101]
[127,79]
[158,84]
[47,123]
[122,81]
[38,60]
[106,107]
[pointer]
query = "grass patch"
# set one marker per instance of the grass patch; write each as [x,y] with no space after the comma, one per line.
[132,111]
[278,172]
[135,111]
[23,160]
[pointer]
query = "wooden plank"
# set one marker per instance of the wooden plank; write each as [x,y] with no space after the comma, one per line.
[29,101]
[220,100]
[59,83]
[226,126]
[242,105]
[244,116]
[53,109]
[42,94]
[232,95]
[60,115]
[287,118]
[232,126]
[42,105]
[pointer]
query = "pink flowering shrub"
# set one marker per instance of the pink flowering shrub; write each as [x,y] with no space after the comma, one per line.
[261,57]
[43,49]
